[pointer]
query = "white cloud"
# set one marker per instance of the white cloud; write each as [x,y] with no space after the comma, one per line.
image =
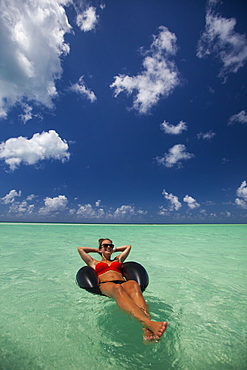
[219,38]
[173,130]
[32,42]
[124,211]
[213,215]
[21,207]
[56,204]
[47,145]
[240,117]
[87,20]
[80,88]
[159,76]
[174,156]
[31,197]
[15,206]
[10,197]
[97,203]
[241,201]
[209,203]
[175,205]
[206,135]
[27,113]
[191,202]
[163,211]
[242,190]
[88,211]
[141,212]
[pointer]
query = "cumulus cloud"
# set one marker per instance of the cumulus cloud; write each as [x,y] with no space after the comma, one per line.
[80,88]
[159,76]
[141,212]
[163,211]
[54,205]
[175,205]
[240,117]
[21,208]
[241,201]
[31,43]
[47,145]
[219,38]
[60,205]
[173,130]
[124,211]
[10,197]
[31,197]
[174,156]
[87,211]
[87,20]
[97,203]
[206,135]
[191,202]
[16,206]
[27,113]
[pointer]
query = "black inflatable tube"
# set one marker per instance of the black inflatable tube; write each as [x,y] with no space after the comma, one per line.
[87,279]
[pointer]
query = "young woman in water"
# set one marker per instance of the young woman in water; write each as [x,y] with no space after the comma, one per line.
[127,294]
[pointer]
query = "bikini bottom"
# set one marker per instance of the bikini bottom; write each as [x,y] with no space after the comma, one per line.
[114,281]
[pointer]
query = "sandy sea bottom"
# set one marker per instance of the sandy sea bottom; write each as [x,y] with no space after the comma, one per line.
[197,283]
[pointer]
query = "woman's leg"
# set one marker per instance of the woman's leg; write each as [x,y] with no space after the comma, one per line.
[134,291]
[126,303]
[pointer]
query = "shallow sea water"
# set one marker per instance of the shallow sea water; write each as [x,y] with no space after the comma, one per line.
[197,283]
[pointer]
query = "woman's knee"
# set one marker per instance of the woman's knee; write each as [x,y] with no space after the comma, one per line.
[111,290]
[118,290]
[132,286]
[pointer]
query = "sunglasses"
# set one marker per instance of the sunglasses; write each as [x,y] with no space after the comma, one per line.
[107,245]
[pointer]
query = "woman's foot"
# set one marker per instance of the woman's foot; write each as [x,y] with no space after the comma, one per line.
[148,335]
[157,329]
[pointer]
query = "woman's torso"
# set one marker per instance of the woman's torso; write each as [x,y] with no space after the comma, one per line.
[109,271]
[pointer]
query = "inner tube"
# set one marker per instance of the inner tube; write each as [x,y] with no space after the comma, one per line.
[86,277]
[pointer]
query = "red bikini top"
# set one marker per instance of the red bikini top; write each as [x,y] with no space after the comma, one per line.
[103,267]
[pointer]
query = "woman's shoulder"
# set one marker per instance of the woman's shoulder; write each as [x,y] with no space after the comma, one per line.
[94,262]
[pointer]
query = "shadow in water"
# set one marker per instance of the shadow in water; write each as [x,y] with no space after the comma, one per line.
[15,356]
[122,341]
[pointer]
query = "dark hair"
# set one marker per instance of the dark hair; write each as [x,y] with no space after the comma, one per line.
[101,241]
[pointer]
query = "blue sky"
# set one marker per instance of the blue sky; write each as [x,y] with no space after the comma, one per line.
[123,111]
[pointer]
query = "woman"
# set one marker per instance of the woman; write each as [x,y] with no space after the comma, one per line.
[127,294]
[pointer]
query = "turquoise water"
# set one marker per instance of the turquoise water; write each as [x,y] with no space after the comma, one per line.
[197,283]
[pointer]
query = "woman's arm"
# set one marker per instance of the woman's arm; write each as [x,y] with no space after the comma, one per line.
[125,249]
[83,252]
